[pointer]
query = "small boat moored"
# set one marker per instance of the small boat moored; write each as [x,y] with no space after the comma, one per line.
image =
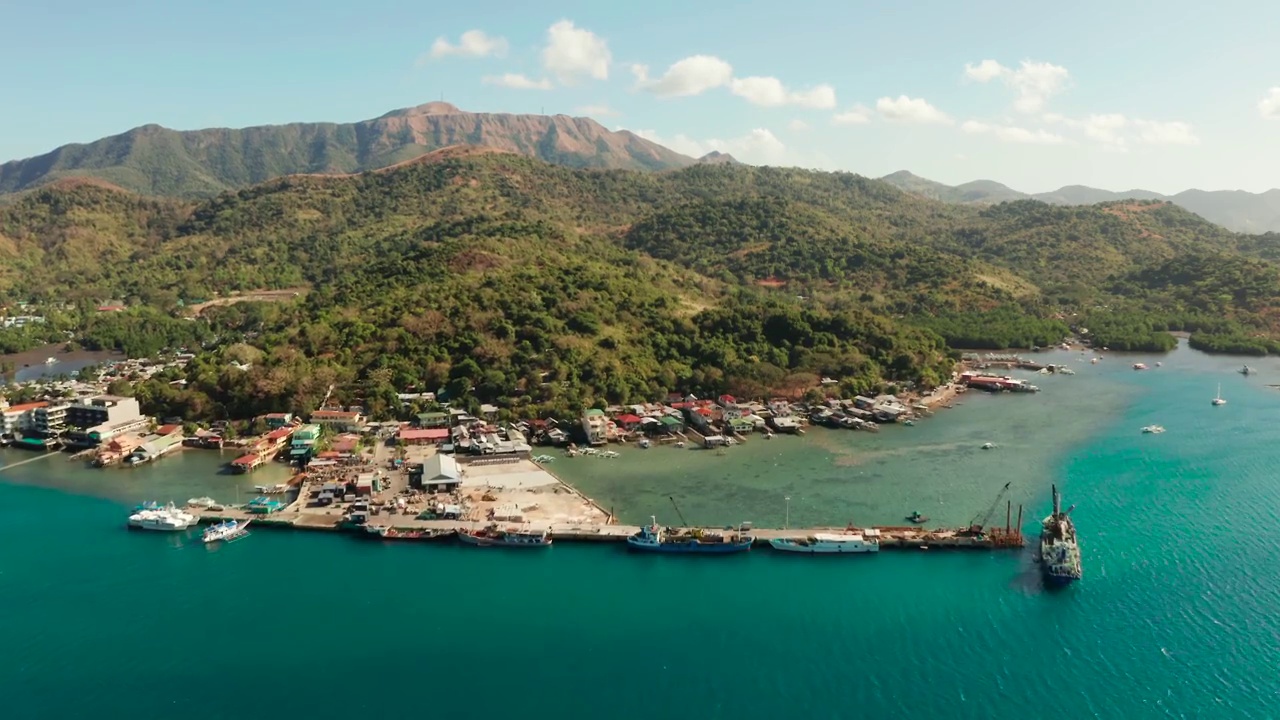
[385,532]
[654,538]
[1153,429]
[167,518]
[226,530]
[829,543]
[917,518]
[493,536]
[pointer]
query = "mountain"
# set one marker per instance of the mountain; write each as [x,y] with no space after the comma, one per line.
[153,160]
[1233,209]
[715,157]
[505,279]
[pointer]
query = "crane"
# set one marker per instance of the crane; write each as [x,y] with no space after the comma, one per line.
[683,523]
[979,521]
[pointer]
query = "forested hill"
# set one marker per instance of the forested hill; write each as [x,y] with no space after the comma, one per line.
[542,286]
[154,160]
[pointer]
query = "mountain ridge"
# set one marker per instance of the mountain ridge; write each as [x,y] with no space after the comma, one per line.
[1237,210]
[154,160]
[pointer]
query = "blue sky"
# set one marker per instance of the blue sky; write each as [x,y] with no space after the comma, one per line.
[1163,96]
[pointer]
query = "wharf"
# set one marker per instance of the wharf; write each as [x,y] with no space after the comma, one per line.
[894,537]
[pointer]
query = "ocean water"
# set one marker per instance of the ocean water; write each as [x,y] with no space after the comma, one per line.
[1175,617]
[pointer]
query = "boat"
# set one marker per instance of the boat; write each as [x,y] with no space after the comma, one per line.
[1246,370]
[51,361]
[201,502]
[644,443]
[493,536]
[827,543]
[1139,366]
[1217,400]
[917,518]
[384,532]
[167,518]
[1153,429]
[654,538]
[226,530]
[1093,361]
[1059,551]
[908,422]
[1159,364]
[989,446]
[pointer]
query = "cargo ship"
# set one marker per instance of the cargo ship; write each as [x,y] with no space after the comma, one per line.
[654,538]
[1059,550]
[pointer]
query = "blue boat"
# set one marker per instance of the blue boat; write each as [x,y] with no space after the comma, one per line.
[654,538]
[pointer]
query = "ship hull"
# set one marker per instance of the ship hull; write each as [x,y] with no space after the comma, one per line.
[690,547]
[823,549]
[469,539]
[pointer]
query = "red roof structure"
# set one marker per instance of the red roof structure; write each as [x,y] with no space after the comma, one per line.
[407,434]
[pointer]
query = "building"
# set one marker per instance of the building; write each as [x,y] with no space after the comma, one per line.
[340,420]
[102,410]
[275,421]
[302,443]
[596,426]
[20,418]
[421,436]
[433,420]
[156,447]
[440,473]
[50,420]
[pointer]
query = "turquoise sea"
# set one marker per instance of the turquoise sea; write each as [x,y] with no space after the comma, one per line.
[1176,616]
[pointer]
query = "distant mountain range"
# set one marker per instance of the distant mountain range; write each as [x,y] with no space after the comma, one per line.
[153,160]
[1233,209]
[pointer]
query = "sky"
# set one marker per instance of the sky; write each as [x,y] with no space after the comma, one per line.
[1118,95]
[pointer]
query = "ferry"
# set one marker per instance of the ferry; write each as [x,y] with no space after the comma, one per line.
[827,543]
[226,530]
[655,538]
[167,518]
[493,536]
[385,532]
[1059,550]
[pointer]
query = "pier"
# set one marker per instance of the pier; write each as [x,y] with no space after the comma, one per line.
[891,537]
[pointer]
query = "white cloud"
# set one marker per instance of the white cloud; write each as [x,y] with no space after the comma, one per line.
[770,92]
[797,125]
[911,110]
[472,44]
[573,53]
[596,110]
[856,115]
[1009,133]
[1154,132]
[1269,106]
[984,71]
[759,146]
[1114,131]
[1033,83]
[516,81]
[693,75]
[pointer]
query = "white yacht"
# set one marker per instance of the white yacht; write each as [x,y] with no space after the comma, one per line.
[829,543]
[1217,399]
[167,518]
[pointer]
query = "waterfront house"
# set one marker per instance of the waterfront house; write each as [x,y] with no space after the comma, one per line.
[628,422]
[671,424]
[596,426]
[275,421]
[339,420]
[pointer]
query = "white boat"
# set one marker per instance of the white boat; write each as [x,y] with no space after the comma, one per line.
[202,502]
[989,446]
[1139,366]
[827,543]
[644,443]
[225,530]
[167,518]
[51,361]
[1217,400]
[1153,429]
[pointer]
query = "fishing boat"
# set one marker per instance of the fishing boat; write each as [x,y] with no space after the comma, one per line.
[917,518]
[1059,549]
[1246,370]
[167,518]
[225,530]
[384,532]
[827,544]
[1217,399]
[654,538]
[493,536]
